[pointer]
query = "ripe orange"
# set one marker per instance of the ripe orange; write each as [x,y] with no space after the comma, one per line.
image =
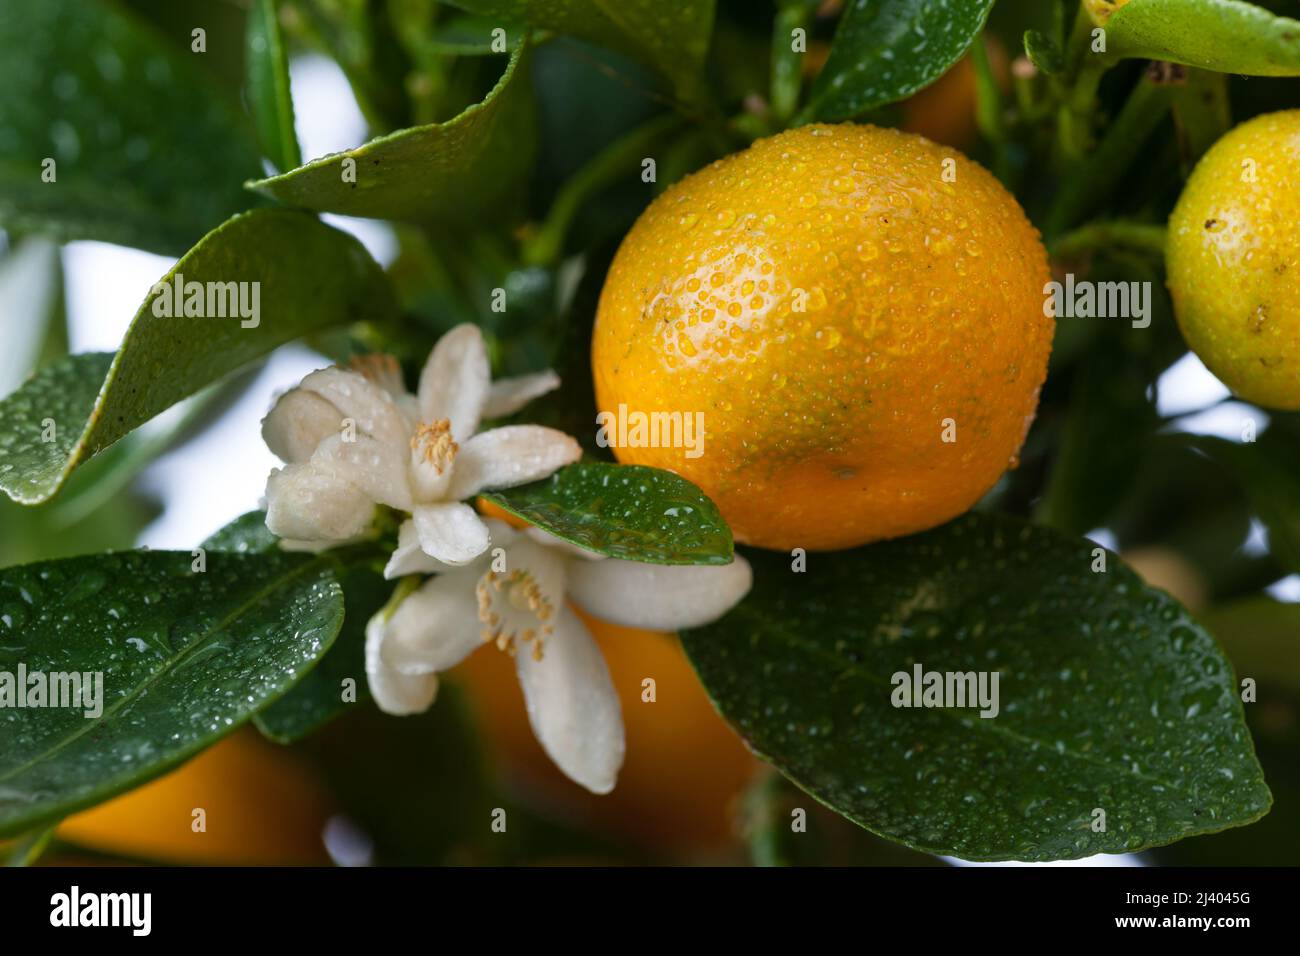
[859,315]
[261,807]
[1234,260]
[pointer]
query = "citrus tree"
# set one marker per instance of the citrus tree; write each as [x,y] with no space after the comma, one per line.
[828,335]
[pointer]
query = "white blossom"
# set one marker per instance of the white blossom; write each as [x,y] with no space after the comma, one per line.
[516,599]
[354,438]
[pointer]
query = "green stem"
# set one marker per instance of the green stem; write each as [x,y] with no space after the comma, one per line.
[545,247]
[1139,236]
[1091,179]
[1076,115]
[1083,72]
[764,823]
[787,65]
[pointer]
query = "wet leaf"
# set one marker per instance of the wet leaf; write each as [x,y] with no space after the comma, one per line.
[1110,696]
[457,172]
[1229,36]
[308,276]
[886,50]
[1262,637]
[319,697]
[625,511]
[185,658]
[146,151]
[247,534]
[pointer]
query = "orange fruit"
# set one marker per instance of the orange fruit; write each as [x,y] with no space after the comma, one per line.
[1233,260]
[684,767]
[945,110]
[857,314]
[261,808]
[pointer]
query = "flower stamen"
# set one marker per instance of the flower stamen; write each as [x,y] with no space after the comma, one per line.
[433,445]
[525,598]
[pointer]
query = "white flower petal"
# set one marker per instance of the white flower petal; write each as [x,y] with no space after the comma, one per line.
[369,406]
[451,532]
[297,423]
[658,597]
[454,383]
[309,503]
[409,557]
[395,693]
[409,406]
[509,456]
[573,706]
[377,468]
[435,628]
[507,395]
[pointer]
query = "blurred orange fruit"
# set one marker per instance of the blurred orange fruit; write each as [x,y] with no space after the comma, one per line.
[945,110]
[261,808]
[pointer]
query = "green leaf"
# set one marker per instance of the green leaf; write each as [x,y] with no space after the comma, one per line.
[1043,52]
[1224,35]
[454,172]
[1262,637]
[1110,695]
[268,86]
[1274,840]
[186,658]
[308,276]
[147,152]
[670,40]
[318,698]
[624,511]
[470,35]
[886,50]
[247,534]
[1271,487]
